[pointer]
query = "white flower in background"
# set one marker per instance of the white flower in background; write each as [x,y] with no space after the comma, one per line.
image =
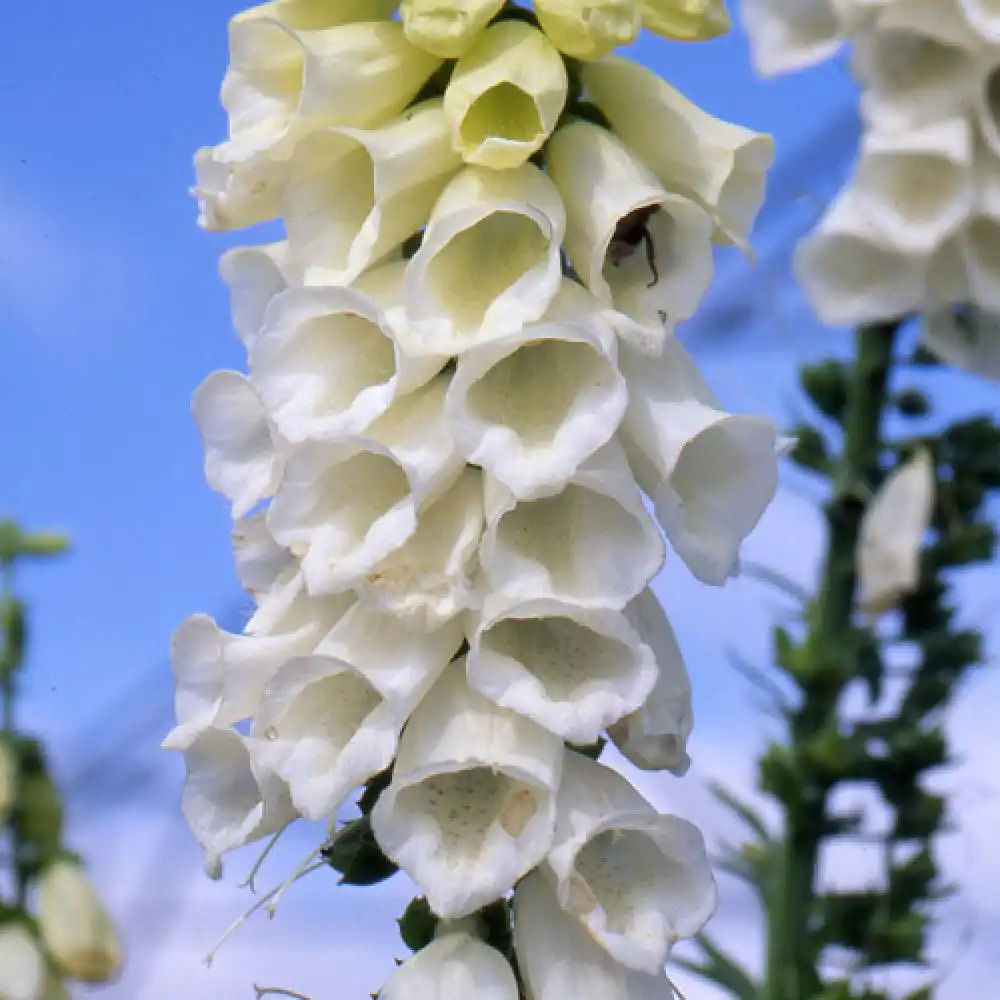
[637,880]
[593,544]
[75,927]
[973,346]
[892,534]
[447,27]
[505,95]
[531,406]
[558,958]
[455,966]
[654,737]
[787,35]
[22,967]
[489,261]
[471,806]
[710,474]
[589,29]
[573,670]
[685,20]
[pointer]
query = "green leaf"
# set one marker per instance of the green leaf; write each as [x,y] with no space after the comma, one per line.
[745,812]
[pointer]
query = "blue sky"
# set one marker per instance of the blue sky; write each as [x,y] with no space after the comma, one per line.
[111,312]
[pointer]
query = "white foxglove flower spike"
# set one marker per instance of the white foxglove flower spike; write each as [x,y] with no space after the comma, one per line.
[638,881]
[655,736]
[559,959]
[892,534]
[589,29]
[572,670]
[242,459]
[327,362]
[354,194]
[455,966]
[258,558]
[639,249]
[531,406]
[974,348]
[916,186]
[593,544]
[505,95]
[851,274]
[22,966]
[430,579]
[489,261]
[710,474]
[447,27]
[790,36]
[255,275]
[471,806]
[685,20]
[719,165]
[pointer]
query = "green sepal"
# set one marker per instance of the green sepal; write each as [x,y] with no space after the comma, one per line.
[417,924]
[355,853]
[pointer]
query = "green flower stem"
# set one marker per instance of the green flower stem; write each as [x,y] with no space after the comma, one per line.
[791,951]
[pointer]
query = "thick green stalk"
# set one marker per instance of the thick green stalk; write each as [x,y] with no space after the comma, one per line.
[791,952]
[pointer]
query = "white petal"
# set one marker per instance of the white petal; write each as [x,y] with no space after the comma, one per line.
[227,800]
[354,194]
[980,244]
[559,959]
[984,17]
[787,36]
[531,406]
[505,95]
[593,544]
[654,737]
[428,581]
[939,19]
[851,274]
[892,534]
[255,275]
[242,461]
[974,348]
[573,670]
[471,805]
[259,559]
[711,474]
[638,881]
[719,165]
[454,967]
[22,967]
[916,186]
[447,27]
[489,261]
[603,187]
[588,29]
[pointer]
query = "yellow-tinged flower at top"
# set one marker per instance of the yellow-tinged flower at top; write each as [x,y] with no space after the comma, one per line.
[505,96]
[589,29]
[685,20]
[447,27]
[313,14]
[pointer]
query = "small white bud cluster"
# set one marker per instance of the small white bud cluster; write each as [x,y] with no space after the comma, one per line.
[917,227]
[462,379]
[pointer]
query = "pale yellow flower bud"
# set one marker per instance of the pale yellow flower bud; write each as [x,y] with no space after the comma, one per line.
[589,29]
[76,928]
[685,20]
[446,28]
[8,780]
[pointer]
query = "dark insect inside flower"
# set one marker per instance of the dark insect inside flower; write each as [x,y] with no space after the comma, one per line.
[631,231]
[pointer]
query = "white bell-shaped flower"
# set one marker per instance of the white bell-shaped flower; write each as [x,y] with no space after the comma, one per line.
[327,362]
[259,560]
[559,959]
[355,194]
[892,534]
[283,83]
[910,78]
[505,95]
[785,37]
[719,165]
[330,721]
[344,506]
[947,274]
[471,805]
[916,186]
[430,579]
[255,275]
[572,670]
[593,544]
[942,20]
[644,251]
[589,29]
[980,248]
[637,880]
[851,274]
[710,474]
[685,20]
[489,261]
[531,406]
[455,966]
[655,736]
[447,27]
[22,966]
[229,799]
[974,348]
[984,18]
[242,458]
[75,927]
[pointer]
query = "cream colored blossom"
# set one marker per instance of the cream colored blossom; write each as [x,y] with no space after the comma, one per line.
[685,20]
[589,29]
[447,27]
